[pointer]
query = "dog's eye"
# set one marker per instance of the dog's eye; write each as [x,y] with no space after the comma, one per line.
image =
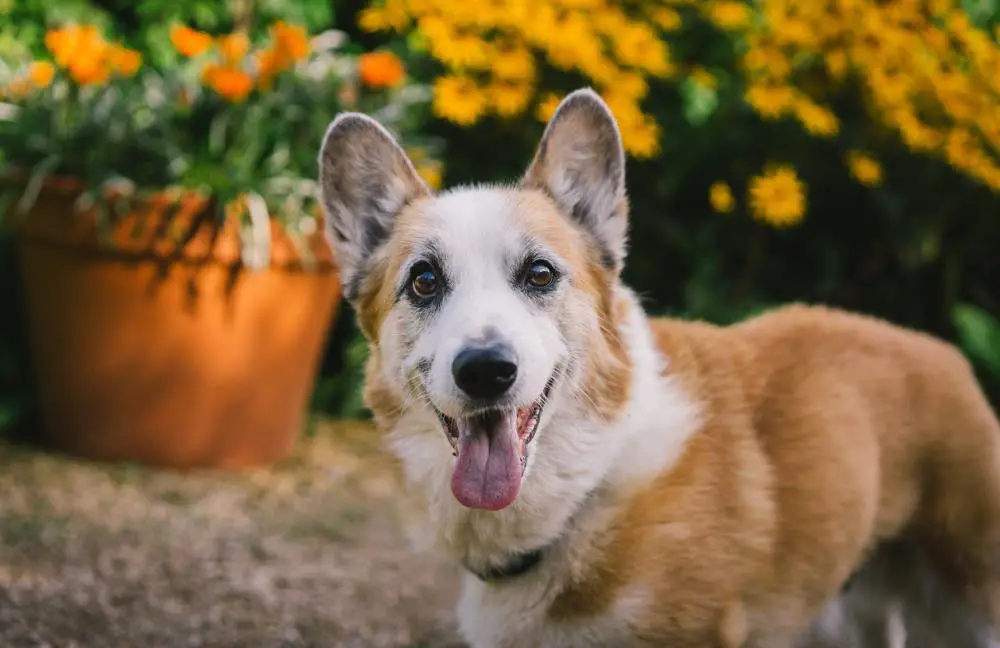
[423,280]
[540,275]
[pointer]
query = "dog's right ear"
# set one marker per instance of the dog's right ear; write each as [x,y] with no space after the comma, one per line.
[366,179]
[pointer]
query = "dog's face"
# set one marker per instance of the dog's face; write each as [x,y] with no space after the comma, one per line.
[487,308]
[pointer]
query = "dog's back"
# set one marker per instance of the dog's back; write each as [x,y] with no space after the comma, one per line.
[870,434]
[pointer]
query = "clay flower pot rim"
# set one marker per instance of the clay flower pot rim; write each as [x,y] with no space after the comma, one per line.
[205,241]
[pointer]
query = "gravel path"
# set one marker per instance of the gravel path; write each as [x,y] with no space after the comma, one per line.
[307,553]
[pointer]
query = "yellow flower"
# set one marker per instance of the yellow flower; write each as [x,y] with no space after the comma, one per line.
[666,19]
[836,63]
[630,84]
[720,196]
[864,168]
[431,172]
[642,139]
[815,118]
[547,107]
[777,197]
[458,99]
[188,41]
[514,65]
[770,100]
[768,61]
[391,15]
[508,99]
[41,73]
[924,69]
[702,77]
[729,14]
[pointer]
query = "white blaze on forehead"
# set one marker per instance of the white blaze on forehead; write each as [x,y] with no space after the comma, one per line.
[479,238]
[479,232]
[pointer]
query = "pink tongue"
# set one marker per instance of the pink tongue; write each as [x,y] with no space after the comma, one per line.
[487,474]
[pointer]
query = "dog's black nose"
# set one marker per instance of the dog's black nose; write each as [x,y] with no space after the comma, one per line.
[485,371]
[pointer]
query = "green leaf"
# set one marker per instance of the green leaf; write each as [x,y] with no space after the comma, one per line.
[979,333]
[699,102]
[9,413]
[981,12]
[34,186]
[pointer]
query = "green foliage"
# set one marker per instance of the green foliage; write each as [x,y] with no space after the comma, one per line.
[338,392]
[23,23]
[165,128]
[911,249]
[979,334]
[170,126]
[919,249]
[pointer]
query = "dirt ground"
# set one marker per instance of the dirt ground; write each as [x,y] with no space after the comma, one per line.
[306,553]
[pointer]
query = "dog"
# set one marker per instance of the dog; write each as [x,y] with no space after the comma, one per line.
[606,478]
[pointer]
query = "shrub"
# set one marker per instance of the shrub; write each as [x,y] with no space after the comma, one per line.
[235,119]
[837,151]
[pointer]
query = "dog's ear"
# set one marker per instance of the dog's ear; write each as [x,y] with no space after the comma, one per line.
[366,179]
[580,164]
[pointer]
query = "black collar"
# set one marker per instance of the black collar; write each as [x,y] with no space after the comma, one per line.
[522,563]
[518,564]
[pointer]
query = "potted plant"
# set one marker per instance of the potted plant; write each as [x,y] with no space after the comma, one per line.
[178,283]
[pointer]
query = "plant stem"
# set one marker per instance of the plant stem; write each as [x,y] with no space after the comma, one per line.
[242,13]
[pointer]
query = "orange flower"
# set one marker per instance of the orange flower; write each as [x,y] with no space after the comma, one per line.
[232,83]
[291,41]
[269,65]
[56,41]
[720,196]
[41,74]
[381,70]
[290,44]
[71,43]
[233,47]
[125,61]
[87,56]
[92,70]
[189,42]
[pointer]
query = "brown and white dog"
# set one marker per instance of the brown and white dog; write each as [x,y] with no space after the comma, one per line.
[610,479]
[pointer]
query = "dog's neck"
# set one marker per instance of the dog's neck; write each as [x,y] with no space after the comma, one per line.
[570,473]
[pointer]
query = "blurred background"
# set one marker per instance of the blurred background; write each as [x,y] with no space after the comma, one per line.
[869,128]
[844,152]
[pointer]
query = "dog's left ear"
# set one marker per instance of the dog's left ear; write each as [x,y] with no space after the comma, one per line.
[580,164]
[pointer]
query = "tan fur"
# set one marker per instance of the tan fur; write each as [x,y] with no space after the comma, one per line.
[827,432]
[608,373]
[788,450]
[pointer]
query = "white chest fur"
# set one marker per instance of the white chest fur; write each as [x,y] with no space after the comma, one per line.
[578,477]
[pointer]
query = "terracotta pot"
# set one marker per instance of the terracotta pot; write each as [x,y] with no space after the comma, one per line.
[167,353]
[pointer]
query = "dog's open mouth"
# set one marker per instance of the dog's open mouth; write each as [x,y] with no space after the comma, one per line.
[491,450]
